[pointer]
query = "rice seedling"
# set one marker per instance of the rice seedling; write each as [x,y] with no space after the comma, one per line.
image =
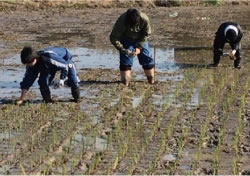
[203,133]
[94,164]
[239,129]
[22,168]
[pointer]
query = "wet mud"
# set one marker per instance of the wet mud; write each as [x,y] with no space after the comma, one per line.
[193,120]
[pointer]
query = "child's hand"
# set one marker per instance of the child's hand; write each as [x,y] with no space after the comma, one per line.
[19,102]
[61,83]
[232,55]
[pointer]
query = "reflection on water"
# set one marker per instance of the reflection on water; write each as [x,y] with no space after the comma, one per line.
[7,135]
[136,101]
[165,60]
[194,101]
[109,58]
[88,142]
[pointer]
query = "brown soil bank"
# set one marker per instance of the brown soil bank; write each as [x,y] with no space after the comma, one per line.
[32,23]
[114,3]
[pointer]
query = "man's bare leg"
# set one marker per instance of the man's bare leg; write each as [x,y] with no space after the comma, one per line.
[125,77]
[150,73]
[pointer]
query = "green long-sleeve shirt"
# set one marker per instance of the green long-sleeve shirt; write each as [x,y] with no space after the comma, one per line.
[138,34]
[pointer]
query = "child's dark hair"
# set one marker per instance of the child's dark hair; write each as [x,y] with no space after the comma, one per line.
[28,55]
[132,17]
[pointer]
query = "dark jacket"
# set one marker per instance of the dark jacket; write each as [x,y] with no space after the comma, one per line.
[220,34]
[138,34]
[50,60]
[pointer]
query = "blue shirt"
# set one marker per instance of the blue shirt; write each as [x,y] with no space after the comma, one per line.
[50,60]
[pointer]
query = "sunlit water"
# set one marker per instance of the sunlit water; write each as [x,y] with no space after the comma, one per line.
[109,58]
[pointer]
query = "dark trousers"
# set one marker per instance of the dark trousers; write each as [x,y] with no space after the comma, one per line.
[218,51]
[47,76]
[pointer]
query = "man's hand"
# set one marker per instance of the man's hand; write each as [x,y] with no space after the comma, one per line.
[127,52]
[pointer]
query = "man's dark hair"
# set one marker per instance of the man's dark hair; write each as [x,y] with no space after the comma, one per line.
[28,55]
[231,35]
[132,17]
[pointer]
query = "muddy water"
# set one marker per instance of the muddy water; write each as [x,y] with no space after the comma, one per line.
[168,68]
[99,144]
[85,58]
[182,47]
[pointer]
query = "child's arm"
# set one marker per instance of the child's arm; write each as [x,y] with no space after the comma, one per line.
[28,80]
[21,99]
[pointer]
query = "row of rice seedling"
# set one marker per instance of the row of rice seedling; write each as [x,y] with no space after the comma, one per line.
[74,160]
[187,118]
[122,140]
[221,132]
[157,125]
[142,133]
[241,143]
[190,137]
[224,126]
[159,141]
[182,126]
[124,147]
[23,123]
[53,139]
[239,128]
[216,90]
[47,138]
[83,166]
[58,142]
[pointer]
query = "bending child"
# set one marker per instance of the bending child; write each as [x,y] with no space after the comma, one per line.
[46,63]
[231,33]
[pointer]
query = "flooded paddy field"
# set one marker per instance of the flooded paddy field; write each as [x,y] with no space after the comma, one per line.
[193,120]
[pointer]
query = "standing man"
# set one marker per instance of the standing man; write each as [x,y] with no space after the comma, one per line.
[129,36]
[46,63]
[231,33]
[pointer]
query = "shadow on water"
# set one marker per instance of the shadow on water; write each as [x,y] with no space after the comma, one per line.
[193,48]
[35,101]
[187,65]
[7,101]
[91,82]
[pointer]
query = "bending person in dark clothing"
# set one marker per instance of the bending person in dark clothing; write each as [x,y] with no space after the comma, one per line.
[231,33]
[47,62]
[129,36]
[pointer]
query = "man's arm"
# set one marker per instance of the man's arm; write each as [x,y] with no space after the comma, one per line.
[146,31]
[117,32]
